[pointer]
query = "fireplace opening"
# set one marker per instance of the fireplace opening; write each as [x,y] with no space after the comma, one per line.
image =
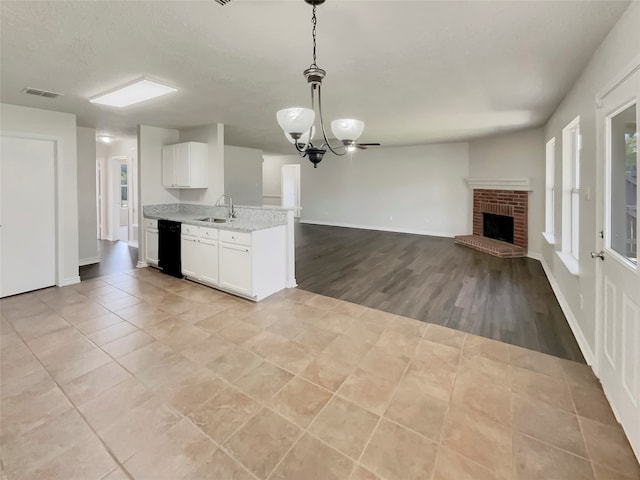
[498,227]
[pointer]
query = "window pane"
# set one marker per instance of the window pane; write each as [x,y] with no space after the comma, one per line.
[123,196]
[624,180]
[123,174]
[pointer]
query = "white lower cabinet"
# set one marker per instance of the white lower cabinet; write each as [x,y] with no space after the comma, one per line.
[199,254]
[151,241]
[235,268]
[208,256]
[252,265]
[189,255]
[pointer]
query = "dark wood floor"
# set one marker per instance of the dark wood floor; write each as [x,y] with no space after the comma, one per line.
[436,281]
[426,278]
[115,257]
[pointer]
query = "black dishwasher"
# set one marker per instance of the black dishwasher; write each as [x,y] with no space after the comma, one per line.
[169,247]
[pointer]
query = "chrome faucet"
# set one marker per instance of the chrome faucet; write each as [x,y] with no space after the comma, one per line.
[232,212]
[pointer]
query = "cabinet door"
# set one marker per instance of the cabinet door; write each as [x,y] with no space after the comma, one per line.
[183,165]
[151,246]
[168,166]
[235,268]
[189,256]
[208,256]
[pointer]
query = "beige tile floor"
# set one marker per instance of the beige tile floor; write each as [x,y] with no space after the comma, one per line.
[144,376]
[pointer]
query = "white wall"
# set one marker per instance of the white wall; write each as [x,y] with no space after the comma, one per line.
[243,175]
[87,213]
[272,177]
[62,128]
[150,143]
[419,189]
[213,135]
[618,49]
[520,154]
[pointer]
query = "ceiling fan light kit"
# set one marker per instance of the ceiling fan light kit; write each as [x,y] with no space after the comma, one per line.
[298,123]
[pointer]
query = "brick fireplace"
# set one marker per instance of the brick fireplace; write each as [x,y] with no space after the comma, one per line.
[496,209]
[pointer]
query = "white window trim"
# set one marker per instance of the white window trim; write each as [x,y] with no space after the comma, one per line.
[550,166]
[571,190]
[570,262]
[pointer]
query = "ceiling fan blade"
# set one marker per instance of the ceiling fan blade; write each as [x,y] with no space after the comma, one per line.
[368,144]
[360,146]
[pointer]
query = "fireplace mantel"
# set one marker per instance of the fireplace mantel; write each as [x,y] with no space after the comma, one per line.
[503,183]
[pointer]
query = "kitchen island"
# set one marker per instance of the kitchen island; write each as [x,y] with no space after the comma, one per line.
[251,255]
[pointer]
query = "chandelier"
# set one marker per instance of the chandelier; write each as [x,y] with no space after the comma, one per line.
[298,122]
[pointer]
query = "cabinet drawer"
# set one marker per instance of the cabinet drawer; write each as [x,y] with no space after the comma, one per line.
[189,230]
[150,223]
[208,233]
[238,238]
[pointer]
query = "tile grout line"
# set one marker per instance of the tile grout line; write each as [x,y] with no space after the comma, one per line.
[75,407]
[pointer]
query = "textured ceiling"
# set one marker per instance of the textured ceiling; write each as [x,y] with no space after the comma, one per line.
[414,71]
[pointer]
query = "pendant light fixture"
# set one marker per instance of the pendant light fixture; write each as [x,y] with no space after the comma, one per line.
[298,122]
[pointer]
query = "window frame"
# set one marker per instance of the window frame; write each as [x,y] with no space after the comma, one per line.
[550,174]
[571,147]
[125,185]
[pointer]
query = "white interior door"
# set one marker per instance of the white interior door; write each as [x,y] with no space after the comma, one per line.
[618,273]
[27,215]
[290,193]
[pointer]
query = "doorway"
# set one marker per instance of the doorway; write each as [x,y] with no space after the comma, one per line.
[617,272]
[116,175]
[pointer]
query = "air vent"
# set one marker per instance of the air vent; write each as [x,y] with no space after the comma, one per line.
[41,93]
[223,2]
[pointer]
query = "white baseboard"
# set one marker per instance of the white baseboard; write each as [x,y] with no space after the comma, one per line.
[587,353]
[133,243]
[70,281]
[141,264]
[381,229]
[88,261]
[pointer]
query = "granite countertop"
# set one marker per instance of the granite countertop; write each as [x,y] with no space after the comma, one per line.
[244,223]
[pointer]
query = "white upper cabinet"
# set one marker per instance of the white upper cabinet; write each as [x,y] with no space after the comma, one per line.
[185,165]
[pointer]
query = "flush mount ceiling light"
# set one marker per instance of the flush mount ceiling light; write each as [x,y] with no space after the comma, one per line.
[131,93]
[298,122]
[105,138]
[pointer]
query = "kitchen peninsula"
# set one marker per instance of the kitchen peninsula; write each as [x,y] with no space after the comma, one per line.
[251,255]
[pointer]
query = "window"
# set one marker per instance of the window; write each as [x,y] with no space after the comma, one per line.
[571,144]
[124,188]
[550,191]
[622,166]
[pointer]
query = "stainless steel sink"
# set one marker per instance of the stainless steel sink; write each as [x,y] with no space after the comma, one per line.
[212,220]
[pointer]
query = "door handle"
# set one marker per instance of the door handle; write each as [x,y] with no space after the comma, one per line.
[599,255]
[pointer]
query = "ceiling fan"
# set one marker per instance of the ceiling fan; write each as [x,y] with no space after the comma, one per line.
[364,146]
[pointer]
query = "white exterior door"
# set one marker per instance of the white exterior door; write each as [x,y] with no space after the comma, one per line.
[27,206]
[618,348]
